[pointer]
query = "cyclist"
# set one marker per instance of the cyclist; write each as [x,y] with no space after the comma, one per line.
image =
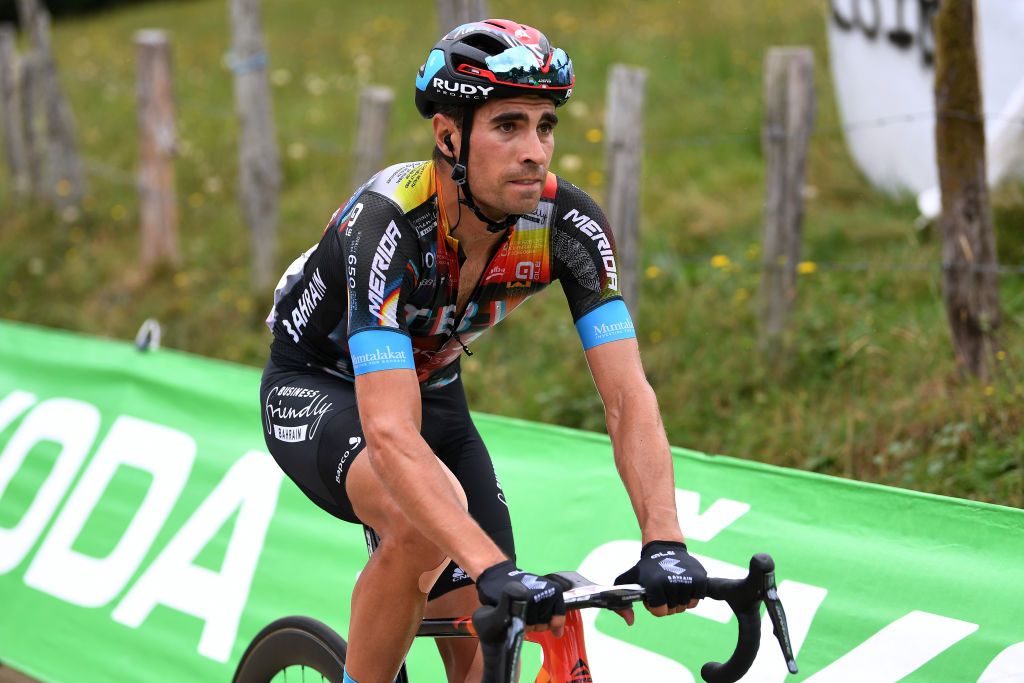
[363,404]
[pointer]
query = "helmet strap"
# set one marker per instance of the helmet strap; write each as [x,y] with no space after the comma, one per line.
[460,175]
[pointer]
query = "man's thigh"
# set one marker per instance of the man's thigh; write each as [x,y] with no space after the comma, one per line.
[449,430]
[312,428]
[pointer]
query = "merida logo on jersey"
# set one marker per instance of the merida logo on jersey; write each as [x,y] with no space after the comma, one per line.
[378,356]
[605,330]
[591,229]
[378,273]
[465,89]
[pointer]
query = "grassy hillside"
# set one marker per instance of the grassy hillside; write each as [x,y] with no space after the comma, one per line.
[871,390]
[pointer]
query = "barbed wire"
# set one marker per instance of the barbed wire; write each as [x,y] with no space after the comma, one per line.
[811,266]
[330,146]
[697,140]
[718,261]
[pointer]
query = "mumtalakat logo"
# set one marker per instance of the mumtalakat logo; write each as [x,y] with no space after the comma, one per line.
[379,356]
[605,330]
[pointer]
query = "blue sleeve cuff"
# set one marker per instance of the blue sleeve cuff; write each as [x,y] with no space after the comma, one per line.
[607,323]
[374,350]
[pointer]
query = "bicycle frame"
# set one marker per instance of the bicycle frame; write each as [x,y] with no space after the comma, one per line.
[565,658]
[500,628]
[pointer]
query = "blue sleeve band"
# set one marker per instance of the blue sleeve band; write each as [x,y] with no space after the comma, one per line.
[607,323]
[374,350]
[348,679]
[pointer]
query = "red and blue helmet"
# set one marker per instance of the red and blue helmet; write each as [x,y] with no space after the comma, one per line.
[490,59]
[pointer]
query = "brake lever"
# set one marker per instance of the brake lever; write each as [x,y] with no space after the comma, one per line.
[773,605]
[744,597]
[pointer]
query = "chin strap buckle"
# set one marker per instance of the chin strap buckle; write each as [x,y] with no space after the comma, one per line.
[459,174]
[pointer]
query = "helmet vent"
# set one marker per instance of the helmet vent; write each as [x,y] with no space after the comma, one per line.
[489,44]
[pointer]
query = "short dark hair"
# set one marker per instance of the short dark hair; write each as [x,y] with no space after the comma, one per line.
[453,111]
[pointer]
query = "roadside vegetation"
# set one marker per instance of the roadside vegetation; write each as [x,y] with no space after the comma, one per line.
[870,389]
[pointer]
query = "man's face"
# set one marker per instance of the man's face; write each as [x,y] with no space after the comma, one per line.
[510,151]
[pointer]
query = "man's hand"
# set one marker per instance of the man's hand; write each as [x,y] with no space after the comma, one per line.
[673,579]
[545,606]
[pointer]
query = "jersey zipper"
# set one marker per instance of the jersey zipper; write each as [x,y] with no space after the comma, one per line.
[476,291]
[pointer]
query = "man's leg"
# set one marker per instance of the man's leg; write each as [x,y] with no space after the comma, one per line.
[463,660]
[390,595]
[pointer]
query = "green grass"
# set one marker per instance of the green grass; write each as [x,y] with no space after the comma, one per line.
[870,389]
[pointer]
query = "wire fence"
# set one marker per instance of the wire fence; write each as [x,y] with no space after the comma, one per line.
[332,147]
[329,146]
[114,175]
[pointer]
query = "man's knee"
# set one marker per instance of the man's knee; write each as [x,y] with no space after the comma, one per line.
[401,541]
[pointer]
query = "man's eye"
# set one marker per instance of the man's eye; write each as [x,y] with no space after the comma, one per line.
[546,128]
[507,127]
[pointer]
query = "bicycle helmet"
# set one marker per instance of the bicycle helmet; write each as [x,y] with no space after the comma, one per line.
[486,60]
[489,59]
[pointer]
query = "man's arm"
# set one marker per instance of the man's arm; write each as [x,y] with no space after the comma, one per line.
[641,448]
[389,409]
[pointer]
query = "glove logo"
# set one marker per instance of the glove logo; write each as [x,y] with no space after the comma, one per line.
[671,566]
[533,583]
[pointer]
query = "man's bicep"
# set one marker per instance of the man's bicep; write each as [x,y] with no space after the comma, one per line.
[389,401]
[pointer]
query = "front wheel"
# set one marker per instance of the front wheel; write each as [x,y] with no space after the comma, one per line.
[293,644]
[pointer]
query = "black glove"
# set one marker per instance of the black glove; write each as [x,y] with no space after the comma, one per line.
[544,596]
[668,573]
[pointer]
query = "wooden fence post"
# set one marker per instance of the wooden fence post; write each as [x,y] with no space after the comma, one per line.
[259,158]
[970,278]
[624,127]
[11,110]
[372,131]
[158,202]
[789,120]
[64,180]
[30,90]
[452,13]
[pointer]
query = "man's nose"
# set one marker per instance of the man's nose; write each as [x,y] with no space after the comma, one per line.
[532,151]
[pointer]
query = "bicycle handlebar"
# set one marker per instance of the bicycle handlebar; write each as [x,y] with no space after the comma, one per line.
[501,628]
[745,596]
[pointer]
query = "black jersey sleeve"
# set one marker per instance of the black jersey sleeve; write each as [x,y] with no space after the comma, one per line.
[382,257]
[586,264]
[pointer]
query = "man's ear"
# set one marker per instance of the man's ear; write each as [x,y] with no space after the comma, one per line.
[443,132]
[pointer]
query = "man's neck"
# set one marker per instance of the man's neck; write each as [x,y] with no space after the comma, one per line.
[470,231]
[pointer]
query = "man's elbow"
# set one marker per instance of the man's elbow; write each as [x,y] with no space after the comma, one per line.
[387,439]
[638,397]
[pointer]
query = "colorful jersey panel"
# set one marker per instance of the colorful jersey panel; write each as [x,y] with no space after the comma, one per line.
[384,264]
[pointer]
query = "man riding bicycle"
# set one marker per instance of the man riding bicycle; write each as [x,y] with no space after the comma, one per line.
[363,402]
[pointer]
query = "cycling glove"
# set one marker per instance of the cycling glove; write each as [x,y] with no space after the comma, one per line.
[544,596]
[668,573]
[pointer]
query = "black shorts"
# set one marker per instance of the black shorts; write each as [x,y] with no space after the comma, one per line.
[311,426]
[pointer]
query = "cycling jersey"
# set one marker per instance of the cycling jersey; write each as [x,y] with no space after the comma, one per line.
[379,291]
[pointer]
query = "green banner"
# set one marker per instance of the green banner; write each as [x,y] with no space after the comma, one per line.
[146,535]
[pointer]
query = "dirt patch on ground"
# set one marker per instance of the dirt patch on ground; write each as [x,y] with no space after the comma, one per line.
[12,676]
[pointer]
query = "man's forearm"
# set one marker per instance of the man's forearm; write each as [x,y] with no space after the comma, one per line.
[414,477]
[644,462]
